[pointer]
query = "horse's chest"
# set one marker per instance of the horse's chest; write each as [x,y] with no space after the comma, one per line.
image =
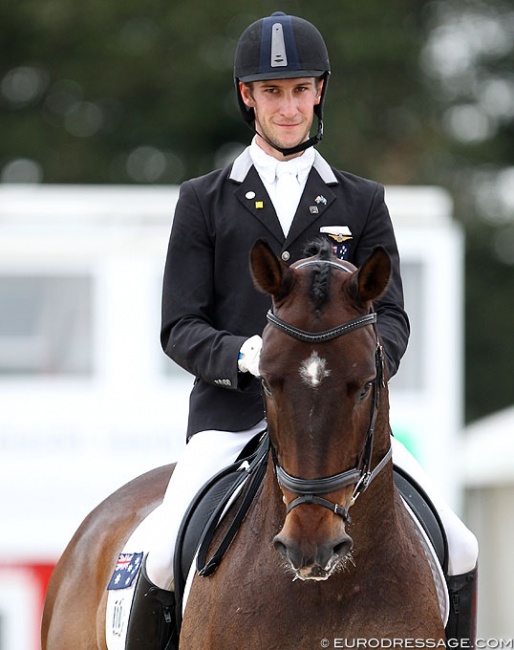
[260,606]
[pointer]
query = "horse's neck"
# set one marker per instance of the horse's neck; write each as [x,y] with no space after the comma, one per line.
[376,518]
[272,508]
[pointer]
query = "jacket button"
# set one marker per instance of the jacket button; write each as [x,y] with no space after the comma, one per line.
[286,255]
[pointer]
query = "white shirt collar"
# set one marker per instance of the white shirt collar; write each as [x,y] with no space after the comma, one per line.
[243,163]
[266,165]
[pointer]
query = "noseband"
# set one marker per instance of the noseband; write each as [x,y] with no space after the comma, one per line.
[310,490]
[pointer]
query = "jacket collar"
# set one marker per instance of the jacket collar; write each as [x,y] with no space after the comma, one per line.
[243,163]
[252,195]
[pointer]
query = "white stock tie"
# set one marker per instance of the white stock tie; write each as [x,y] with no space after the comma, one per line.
[287,194]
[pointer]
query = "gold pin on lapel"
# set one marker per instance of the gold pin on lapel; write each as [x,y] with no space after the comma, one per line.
[259,205]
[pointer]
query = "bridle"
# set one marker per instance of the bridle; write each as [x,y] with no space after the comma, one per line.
[310,490]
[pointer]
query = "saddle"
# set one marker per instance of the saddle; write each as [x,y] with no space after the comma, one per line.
[242,479]
[204,514]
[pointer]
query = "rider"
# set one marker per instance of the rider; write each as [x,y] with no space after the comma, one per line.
[280,189]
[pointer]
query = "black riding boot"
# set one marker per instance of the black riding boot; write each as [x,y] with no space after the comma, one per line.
[152,624]
[463,597]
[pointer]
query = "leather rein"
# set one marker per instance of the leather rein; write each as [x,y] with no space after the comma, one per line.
[310,491]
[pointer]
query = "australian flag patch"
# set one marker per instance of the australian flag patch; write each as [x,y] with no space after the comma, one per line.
[126,570]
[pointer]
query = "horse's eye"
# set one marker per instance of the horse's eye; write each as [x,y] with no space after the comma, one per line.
[266,387]
[365,389]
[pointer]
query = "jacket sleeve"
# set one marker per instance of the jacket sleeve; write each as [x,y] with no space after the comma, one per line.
[188,333]
[393,322]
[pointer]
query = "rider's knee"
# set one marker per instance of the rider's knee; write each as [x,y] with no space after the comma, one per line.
[462,550]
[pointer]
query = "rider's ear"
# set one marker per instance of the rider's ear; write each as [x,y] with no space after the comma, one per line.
[270,274]
[372,278]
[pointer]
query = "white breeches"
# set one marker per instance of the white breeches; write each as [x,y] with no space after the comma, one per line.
[205,455]
[210,451]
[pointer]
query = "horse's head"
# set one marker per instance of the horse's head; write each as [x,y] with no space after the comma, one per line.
[321,368]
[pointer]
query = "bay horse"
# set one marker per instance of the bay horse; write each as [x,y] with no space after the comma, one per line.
[327,555]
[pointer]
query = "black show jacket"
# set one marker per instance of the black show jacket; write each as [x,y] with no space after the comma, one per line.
[210,305]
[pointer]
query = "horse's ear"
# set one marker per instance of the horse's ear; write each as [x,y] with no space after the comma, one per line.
[270,274]
[373,276]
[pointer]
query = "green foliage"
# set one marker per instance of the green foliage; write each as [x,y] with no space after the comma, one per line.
[114,77]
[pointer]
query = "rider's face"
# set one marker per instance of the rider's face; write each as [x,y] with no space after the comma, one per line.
[284,110]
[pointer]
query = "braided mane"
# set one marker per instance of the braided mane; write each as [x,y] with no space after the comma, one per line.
[320,279]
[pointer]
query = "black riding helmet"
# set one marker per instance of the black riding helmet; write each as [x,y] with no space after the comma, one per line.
[282,47]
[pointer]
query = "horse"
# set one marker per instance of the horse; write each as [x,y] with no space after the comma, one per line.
[327,555]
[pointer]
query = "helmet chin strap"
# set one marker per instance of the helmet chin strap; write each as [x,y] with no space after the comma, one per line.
[311,142]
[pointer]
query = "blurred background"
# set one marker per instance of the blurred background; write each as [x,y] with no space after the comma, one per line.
[105,108]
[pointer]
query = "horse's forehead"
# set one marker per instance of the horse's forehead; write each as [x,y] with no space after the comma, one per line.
[313,370]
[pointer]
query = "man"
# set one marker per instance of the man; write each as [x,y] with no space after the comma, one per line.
[282,190]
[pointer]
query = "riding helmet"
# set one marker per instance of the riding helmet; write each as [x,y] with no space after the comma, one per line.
[280,47]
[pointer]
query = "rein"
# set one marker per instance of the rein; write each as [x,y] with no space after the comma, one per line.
[310,491]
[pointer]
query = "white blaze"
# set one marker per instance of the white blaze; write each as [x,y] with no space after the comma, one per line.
[313,370]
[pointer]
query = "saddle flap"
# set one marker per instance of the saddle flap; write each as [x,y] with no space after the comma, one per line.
[205,512]
[425,512]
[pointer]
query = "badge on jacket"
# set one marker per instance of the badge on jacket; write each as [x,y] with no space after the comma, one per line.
[341,236]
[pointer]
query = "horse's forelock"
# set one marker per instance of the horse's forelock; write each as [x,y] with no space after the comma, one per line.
[319,247]
[320,278]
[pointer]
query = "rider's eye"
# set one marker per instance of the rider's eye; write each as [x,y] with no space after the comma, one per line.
[266,387]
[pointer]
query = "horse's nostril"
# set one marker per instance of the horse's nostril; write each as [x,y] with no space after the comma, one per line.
[343,547]
[280,546]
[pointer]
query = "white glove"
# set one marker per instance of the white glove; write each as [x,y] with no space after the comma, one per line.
[249,355]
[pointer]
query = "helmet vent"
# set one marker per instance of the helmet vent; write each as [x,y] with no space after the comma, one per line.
[278,47]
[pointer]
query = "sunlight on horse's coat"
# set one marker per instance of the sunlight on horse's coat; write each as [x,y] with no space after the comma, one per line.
[313,370]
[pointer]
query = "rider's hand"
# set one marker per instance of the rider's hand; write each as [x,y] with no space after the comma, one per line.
[249,355]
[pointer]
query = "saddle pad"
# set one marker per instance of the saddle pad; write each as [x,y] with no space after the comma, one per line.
[120,591]
[119,604]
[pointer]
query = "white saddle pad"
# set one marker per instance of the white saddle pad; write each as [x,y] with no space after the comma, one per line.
[120,591]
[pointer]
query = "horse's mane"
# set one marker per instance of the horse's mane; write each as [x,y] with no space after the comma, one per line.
[320,279]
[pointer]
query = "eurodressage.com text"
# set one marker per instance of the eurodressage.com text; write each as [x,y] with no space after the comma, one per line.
[412,643]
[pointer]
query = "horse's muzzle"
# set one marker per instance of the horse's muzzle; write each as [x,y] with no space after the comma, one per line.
[313,561]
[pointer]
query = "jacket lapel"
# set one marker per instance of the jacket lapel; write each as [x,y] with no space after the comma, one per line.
[316,198]
[253,197]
